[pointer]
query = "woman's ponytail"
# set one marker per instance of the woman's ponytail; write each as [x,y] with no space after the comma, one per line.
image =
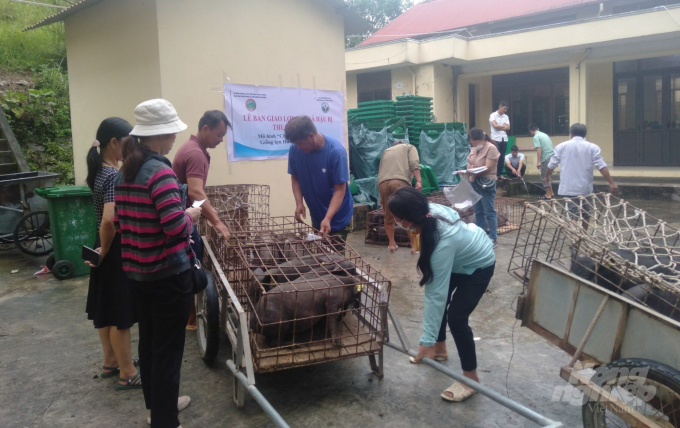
[110,128]
[429,238]
[94,165]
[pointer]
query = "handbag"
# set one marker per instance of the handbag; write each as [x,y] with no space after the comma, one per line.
[199,277]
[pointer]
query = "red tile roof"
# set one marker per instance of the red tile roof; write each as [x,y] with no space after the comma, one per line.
[442,15]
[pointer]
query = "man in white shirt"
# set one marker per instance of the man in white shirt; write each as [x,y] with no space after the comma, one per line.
[500,123]
[577,158]
[514,163]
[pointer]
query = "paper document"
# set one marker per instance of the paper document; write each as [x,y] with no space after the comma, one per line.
[197,204]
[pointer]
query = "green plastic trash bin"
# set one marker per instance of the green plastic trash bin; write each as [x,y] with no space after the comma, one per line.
[74,224]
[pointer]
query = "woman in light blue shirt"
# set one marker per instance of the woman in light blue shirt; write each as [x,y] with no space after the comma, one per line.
[455,257]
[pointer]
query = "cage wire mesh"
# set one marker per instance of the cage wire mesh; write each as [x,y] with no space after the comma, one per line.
[375,230]
[623,249]
[508,211]
[309,302]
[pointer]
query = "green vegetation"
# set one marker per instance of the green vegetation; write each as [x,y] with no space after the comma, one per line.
[377,13]
[19,50]
[39,114]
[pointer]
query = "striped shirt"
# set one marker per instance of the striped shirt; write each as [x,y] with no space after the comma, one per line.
[152,222]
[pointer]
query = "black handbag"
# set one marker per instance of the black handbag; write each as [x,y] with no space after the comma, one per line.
[199,277]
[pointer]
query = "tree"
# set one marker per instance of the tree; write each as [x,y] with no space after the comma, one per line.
[377,13]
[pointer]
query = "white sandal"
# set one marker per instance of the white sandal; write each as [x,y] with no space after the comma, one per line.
[458,391]
[439,358]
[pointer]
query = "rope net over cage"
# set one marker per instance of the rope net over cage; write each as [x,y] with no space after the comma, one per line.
[623,249]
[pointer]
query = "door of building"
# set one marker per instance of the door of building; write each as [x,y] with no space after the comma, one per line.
[647,113]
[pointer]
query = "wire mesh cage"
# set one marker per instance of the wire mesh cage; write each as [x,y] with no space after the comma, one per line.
[239,206]
[309,302]
[607,241]
[375,230]
[509,213]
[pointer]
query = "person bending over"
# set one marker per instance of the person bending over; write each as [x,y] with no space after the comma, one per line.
[457,262]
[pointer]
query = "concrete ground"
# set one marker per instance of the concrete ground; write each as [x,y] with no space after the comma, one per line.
[50,359]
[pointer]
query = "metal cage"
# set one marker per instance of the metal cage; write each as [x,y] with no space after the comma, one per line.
[607,241]
[338,302]
[239,206]
[375,230]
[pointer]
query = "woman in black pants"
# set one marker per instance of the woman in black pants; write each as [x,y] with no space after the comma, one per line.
[110,301]
[457,262]
[155,230]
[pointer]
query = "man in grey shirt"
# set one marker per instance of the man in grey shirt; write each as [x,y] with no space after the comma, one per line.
[577,158]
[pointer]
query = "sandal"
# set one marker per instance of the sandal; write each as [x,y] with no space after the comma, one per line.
[436,358]
[113,371]
[396,247]
[135,382]
[458,391]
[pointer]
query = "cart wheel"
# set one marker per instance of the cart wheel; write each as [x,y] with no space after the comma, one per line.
[50,262]
[63,269]
[647,386]
[32,234]
[208,320]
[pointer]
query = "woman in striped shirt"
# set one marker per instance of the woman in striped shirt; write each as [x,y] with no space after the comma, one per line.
[157,257]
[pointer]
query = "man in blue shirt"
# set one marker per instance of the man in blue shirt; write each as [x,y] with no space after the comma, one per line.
[319,173]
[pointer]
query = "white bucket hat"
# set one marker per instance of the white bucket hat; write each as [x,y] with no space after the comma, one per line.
[156,117]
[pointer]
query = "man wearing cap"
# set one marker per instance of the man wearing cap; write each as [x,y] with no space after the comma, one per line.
[191,164]
[319,173]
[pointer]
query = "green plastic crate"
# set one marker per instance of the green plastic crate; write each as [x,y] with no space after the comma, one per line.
[413,97]
[428,179]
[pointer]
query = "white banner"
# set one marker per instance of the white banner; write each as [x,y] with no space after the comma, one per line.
[259,115]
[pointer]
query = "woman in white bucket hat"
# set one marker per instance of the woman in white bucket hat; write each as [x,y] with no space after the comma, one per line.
[155,229]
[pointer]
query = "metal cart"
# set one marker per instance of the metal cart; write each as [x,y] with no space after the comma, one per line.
[231,305]
[609,296]
[24,219]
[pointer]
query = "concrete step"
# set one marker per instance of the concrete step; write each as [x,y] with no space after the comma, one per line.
[647,188]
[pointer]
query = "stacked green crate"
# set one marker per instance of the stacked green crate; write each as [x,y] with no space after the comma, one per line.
[417,111]
[434,130]
[373,111]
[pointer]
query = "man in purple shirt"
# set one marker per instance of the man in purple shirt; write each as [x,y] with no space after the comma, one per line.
[191,164]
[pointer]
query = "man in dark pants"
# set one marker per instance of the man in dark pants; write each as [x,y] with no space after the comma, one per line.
[191,164]
[319,174]
[500,123]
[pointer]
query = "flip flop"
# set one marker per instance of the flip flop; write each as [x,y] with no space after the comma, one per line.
[436,358]
[396,247]
[459,393]
[135,382]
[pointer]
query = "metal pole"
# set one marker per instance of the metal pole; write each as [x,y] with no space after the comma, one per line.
[495,396]
[591,327]
[257,395]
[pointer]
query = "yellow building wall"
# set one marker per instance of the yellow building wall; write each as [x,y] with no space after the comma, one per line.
[351,92]
[113,65]
[403,80]
[268,42]
[443,91]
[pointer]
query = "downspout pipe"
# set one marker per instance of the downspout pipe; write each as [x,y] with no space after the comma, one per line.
[578,69]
